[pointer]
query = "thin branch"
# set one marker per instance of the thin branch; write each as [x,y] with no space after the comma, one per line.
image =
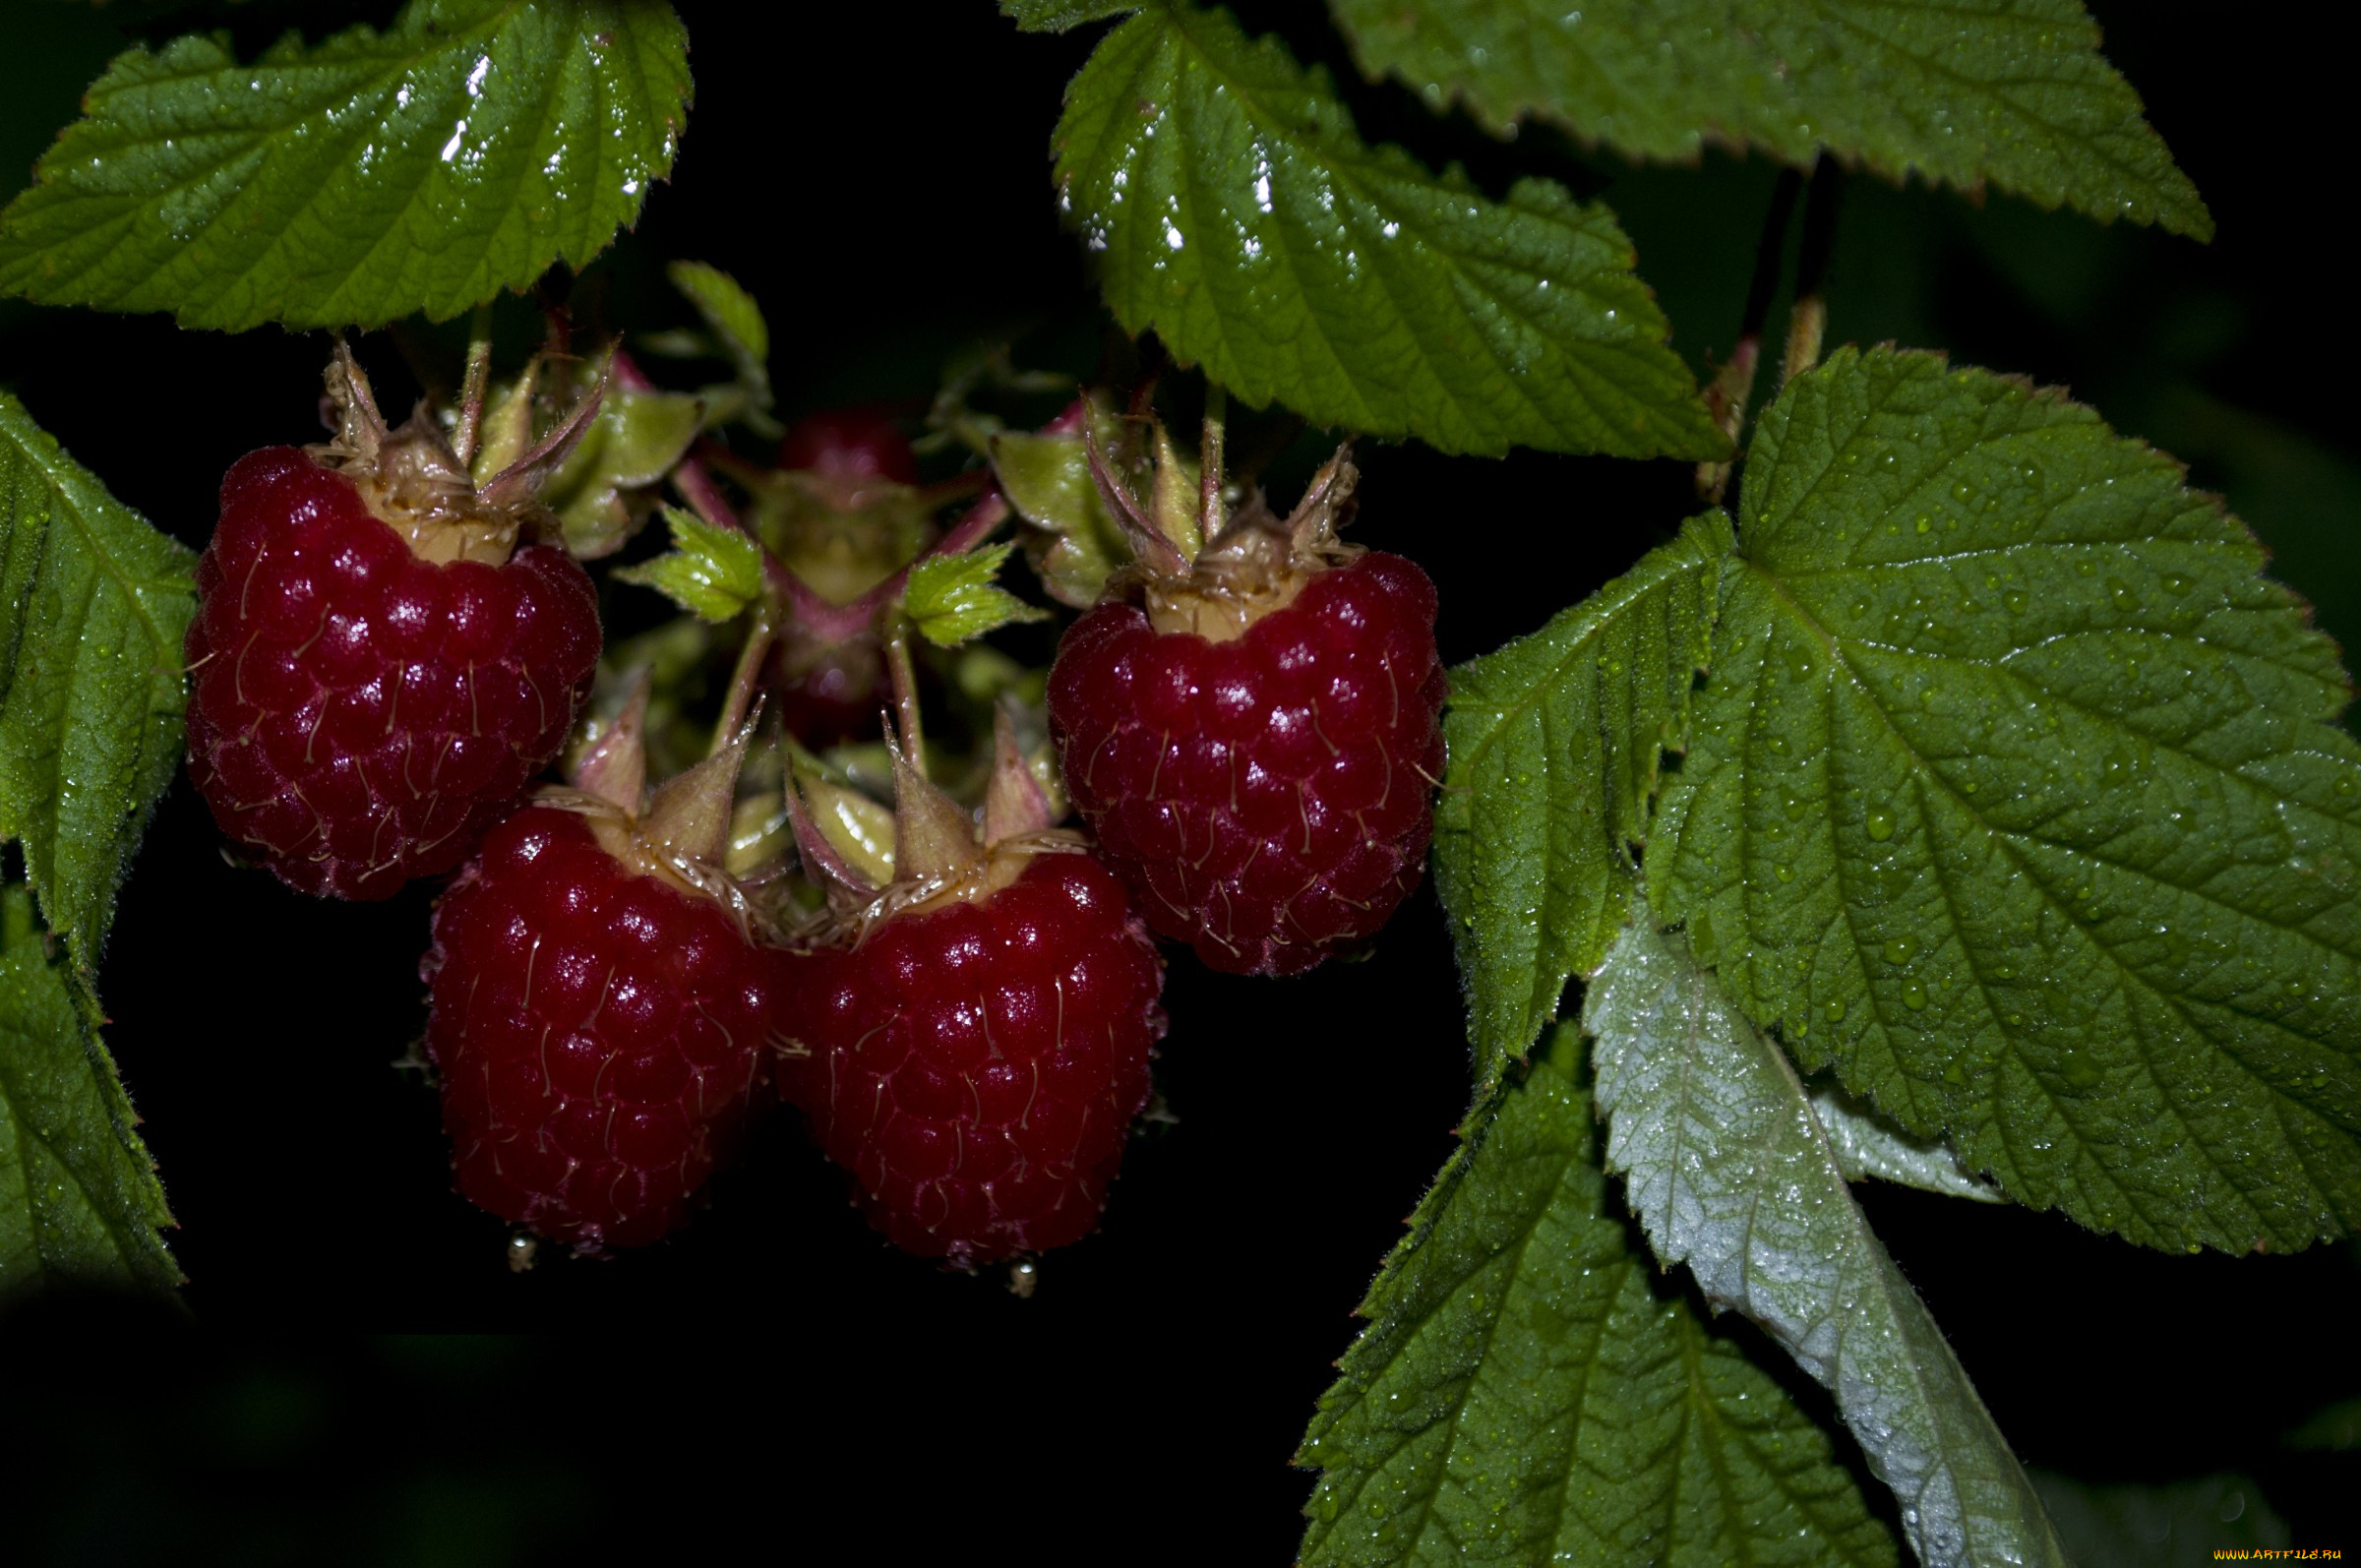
[904,676]
[472,385]
[1209,461]
[1733,387]
[1809,323]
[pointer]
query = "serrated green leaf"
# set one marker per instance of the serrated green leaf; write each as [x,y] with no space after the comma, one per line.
[460,152]
[1059,16]
[2014,91]
[728,309]
[2015,794]
[1554,743]
[1731,1174]
[737,324]
[79,1199]
[713,573]
[1529,1390]
[1231,207]
[93,606]
[954,599]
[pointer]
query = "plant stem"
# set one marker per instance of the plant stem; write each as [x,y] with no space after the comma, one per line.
[1209,461]
[904,676]
[744,680]
[1733,387]
[471,386]
[1809,322]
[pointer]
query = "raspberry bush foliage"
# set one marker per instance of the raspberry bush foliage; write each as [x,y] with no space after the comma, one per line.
[1951,801]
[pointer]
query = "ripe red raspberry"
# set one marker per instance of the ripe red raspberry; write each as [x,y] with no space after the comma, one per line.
[365,702]
[601,1031]
[1253,745]
[977,1055]
[978,1066]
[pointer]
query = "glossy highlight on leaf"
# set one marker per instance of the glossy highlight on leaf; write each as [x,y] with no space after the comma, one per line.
[93,605]
[1232,207]
[1529,1390]
[1554,743]
[1731,1173]
[460,152]
[2012,91]
[2016,794]
[79,1199]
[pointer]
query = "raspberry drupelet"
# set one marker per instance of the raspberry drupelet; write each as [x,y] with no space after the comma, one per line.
[379,670]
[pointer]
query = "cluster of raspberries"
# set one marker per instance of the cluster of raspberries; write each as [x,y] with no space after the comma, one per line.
[371,703]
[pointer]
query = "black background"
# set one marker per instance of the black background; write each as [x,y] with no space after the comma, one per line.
[884,190]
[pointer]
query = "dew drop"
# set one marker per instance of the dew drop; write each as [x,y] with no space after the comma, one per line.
[1786,873]
[1926,523]
[1777,744]
[2016,600]
[2178,582]
[1913,996]
[1880,823]
[1835,1011]
[1899,950]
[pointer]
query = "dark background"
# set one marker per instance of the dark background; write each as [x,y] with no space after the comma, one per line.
[884,192]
